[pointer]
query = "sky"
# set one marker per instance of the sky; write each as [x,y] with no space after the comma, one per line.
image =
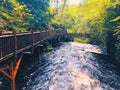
[71,2]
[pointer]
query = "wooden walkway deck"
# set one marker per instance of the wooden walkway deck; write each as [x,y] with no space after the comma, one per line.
[17,43]
[14,44]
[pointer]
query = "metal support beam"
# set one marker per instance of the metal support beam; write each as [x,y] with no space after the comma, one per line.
[13,79]
[5,73]
[17,67]
[32,39]
[13,72]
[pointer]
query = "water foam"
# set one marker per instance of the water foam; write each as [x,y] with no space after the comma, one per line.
[70,68]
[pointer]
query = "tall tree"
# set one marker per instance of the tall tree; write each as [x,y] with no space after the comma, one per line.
[40,11]
[100,18]
[14,15]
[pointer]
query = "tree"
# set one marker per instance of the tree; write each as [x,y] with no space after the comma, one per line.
[100,18]
[40,11]
[14,15]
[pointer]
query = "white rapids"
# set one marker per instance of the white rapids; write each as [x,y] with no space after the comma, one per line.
[71,67]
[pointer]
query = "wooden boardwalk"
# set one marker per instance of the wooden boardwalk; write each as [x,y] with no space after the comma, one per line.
[16,44]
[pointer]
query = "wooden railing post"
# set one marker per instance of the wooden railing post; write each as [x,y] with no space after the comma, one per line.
[15,46]
[1,54]
[0,33]
[14,39]
[32,39]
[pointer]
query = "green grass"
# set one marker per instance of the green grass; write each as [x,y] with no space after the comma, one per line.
[81,40]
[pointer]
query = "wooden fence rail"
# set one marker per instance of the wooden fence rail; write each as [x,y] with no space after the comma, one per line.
[15,43]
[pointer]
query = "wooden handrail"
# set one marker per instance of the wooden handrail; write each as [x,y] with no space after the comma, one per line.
[18,42]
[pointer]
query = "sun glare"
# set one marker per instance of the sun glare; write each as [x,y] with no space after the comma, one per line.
[75,2]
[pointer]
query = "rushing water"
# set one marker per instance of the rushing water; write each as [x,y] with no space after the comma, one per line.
[74,67]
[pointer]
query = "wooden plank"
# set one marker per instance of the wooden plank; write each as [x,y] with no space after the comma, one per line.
[44,35]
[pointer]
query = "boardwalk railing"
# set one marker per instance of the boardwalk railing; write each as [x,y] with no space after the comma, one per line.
[79,35]
[15,43]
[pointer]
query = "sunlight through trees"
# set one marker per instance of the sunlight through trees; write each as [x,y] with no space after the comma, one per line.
[100,18]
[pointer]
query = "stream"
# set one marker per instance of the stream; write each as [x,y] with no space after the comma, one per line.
[74,66]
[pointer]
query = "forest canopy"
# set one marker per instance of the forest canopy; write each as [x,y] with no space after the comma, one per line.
[16,15]
[100,18]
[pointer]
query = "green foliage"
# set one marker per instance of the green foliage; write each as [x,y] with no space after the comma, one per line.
[40,11]
[115,19]
[84,18]
[117,45]
[24,15]
[100,18]
[81,40]
[14,15]
[113,30]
